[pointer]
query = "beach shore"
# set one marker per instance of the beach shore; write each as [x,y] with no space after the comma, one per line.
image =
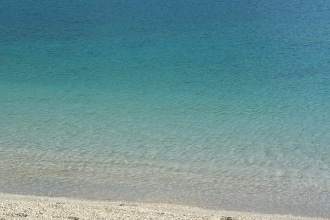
[33,207]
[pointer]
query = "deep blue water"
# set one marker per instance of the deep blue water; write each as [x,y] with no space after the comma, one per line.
[219,104]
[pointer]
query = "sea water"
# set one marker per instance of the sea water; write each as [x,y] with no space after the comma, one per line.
[218,104]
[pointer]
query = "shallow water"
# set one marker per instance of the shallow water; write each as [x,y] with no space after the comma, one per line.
[219,104]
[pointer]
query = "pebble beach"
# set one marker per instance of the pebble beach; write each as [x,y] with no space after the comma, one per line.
[33,207]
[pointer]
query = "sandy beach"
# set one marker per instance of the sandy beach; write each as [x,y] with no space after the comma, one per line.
[33,207]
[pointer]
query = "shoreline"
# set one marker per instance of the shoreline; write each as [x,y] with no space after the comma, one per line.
[41,207]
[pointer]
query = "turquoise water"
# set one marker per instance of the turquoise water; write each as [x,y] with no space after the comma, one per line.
[218,104]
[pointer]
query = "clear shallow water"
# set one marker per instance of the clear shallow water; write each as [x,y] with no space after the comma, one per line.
[218,104]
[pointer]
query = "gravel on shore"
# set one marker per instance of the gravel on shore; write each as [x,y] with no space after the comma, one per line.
[33,207]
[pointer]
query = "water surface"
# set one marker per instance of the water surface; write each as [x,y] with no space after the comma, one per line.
[218,104]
